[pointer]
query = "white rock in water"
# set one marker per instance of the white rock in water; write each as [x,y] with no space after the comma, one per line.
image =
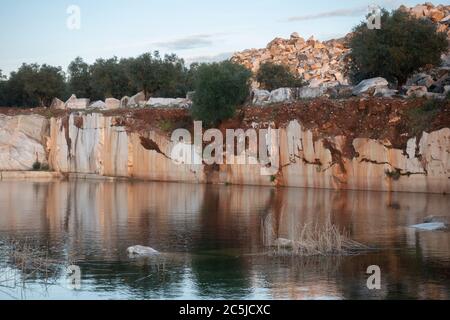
[141,251]
[283,243]
[368,84]
[433,226]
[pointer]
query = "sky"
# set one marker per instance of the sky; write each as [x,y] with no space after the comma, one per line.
[196,30]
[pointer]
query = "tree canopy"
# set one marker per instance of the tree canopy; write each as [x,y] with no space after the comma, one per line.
[34,85]
[79,78]
[273,76]
[219,89]
[157,76]
[402,46]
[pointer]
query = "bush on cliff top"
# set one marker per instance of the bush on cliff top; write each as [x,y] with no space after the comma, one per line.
[272,76]
[402,45]
[219,89]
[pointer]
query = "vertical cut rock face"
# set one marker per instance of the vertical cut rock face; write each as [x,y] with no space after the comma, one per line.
[22,141]
[93,144]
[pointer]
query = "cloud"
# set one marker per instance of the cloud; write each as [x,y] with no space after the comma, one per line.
[190,42]
[350,12]
[208,59]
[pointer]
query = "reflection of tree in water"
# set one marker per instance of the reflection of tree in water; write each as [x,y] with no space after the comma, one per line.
[217,269]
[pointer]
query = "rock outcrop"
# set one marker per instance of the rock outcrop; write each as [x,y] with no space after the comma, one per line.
[102,145]
[22,141]
[311,59]
[168,103]
[368,85]
[326,62]
[112,104]
[77,104]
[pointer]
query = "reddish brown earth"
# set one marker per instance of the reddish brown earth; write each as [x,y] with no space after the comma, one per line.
[375,118]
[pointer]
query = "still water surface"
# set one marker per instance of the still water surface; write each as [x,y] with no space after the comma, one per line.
[213,239]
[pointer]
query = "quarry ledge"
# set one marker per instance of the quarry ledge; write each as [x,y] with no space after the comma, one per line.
[351,144]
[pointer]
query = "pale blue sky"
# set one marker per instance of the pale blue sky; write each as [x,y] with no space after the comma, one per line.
[36,31]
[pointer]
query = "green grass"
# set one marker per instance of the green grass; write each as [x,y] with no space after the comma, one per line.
[421,117]
[166,125]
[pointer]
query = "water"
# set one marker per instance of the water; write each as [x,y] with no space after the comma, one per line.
[213,240]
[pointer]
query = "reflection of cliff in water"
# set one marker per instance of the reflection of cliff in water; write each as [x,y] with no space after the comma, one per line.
[215,237]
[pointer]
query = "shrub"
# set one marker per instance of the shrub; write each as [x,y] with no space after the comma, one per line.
[421,117]
[272,76]
[394,175]
[36,166]
[402,46]
[219,89]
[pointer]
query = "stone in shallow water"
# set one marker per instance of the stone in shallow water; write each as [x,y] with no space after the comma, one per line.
[141,251]
[433,226]
[283,243]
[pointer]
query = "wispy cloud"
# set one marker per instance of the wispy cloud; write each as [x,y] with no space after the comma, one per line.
[346,12]
[189,42]
[349,12]
[208,59]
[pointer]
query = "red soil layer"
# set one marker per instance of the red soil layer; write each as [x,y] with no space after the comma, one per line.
[374,118]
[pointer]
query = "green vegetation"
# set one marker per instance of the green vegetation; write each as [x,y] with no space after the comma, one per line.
[108,79]
[394,174]
[156,76]
[272,76]
[166,125]
[39,166]
[219,89]
[33,85]
[36,166]
[402,46]
[79,78]
[2,90]
[421,117]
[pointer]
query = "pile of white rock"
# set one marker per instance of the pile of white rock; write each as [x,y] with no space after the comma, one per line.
[314,61]
[139,100]
[136,101]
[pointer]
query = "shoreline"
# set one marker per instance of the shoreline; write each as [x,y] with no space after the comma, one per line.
[50,176]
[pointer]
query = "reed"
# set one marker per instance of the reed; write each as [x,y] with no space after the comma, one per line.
[319,240]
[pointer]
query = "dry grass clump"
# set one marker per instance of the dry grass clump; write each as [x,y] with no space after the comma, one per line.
[29,260]
[319,240]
